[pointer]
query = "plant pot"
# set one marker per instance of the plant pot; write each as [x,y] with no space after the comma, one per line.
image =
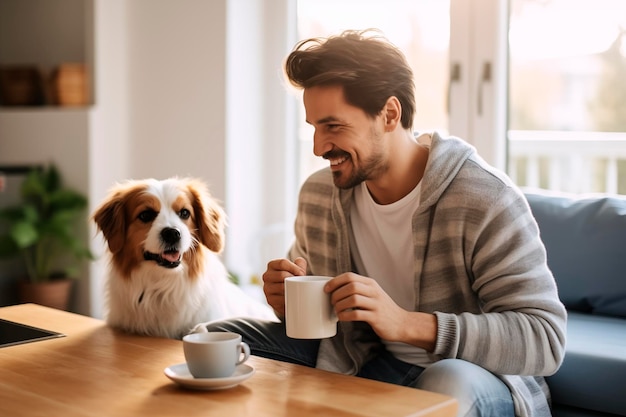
[55,294]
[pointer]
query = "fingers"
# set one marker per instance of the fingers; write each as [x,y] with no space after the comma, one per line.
[282,268]
[273,281]
[348,301]
[352,292]
[348,283]
[301,262]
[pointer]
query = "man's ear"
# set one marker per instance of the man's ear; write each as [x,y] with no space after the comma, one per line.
[392,113]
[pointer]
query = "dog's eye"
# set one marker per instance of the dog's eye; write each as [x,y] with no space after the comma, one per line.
[147,216]
[184,214]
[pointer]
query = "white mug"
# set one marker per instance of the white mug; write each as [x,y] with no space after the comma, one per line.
[214,354]
[308,311]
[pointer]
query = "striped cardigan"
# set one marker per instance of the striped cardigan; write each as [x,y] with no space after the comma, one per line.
[480,267]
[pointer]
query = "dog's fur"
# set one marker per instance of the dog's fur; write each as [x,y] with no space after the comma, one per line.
[165,275]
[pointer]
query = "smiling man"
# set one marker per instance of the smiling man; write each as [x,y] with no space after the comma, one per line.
[440,279]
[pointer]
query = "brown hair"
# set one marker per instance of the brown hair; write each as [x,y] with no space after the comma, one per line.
[368,67]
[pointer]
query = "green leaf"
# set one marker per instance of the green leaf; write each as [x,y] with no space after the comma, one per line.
[33,186]
[52,179]
[67,199]
[30,213]
[24,234]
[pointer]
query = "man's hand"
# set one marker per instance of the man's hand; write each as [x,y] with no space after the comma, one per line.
[358,298]
[274,281]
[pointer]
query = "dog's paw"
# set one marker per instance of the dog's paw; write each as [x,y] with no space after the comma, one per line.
[199,328]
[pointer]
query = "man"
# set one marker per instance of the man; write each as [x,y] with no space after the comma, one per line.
[440,277]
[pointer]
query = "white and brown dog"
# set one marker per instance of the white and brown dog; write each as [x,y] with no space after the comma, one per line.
[165,275]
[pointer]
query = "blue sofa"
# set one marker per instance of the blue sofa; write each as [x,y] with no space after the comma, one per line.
[585,239]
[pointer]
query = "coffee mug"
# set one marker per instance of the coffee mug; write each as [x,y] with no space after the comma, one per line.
[214,354]
[308,311]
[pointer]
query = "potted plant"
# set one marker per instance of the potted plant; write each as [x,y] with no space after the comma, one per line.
[41,230]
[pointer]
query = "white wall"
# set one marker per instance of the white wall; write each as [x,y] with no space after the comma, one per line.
[177,74]
[109,139]
[38,33]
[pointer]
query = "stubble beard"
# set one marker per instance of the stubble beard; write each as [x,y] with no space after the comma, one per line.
[372,168]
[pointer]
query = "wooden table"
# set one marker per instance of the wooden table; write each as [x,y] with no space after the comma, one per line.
[96,370]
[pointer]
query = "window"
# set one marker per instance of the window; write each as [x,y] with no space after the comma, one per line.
[536,85]
[567,108]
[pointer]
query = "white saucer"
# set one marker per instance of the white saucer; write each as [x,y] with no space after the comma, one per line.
[181,375]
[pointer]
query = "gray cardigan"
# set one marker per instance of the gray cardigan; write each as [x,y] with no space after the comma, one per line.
[480,266]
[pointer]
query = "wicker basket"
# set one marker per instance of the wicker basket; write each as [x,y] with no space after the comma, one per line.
[70,85]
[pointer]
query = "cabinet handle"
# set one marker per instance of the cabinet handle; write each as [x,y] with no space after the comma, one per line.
[484,79]
[455,76]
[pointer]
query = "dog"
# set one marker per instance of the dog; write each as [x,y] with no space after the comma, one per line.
[165,277]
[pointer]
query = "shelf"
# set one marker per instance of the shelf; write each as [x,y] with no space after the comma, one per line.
[41,41]
[42,109]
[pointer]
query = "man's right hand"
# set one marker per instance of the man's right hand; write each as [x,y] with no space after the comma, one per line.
[274,281]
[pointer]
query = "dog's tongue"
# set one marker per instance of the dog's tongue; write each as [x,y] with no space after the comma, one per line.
[171,256]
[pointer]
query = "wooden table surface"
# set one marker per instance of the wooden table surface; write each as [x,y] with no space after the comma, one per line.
[98,371]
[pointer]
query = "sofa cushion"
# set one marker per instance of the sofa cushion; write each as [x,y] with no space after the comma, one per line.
[592,373]
[585,239]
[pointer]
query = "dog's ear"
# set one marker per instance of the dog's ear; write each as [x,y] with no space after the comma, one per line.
[210,218]
[111,220]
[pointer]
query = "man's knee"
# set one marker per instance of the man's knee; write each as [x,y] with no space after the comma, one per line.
[478,391]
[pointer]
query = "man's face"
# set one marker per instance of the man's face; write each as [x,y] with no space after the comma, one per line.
[346,136]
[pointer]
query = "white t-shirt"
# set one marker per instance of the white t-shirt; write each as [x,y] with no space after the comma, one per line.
[382,247]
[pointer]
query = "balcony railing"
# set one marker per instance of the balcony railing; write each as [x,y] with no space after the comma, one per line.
[576,162]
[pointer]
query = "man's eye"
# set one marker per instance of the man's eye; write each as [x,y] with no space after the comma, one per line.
[333,127]
[184,214]
[147,216]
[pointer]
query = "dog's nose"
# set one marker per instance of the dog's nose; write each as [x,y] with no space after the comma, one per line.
[170,235]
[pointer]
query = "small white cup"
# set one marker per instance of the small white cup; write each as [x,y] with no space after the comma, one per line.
[214,354]
[308,311]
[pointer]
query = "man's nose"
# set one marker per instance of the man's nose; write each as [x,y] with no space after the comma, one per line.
[320,145]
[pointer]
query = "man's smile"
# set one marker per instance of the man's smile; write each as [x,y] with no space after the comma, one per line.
[336,158]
